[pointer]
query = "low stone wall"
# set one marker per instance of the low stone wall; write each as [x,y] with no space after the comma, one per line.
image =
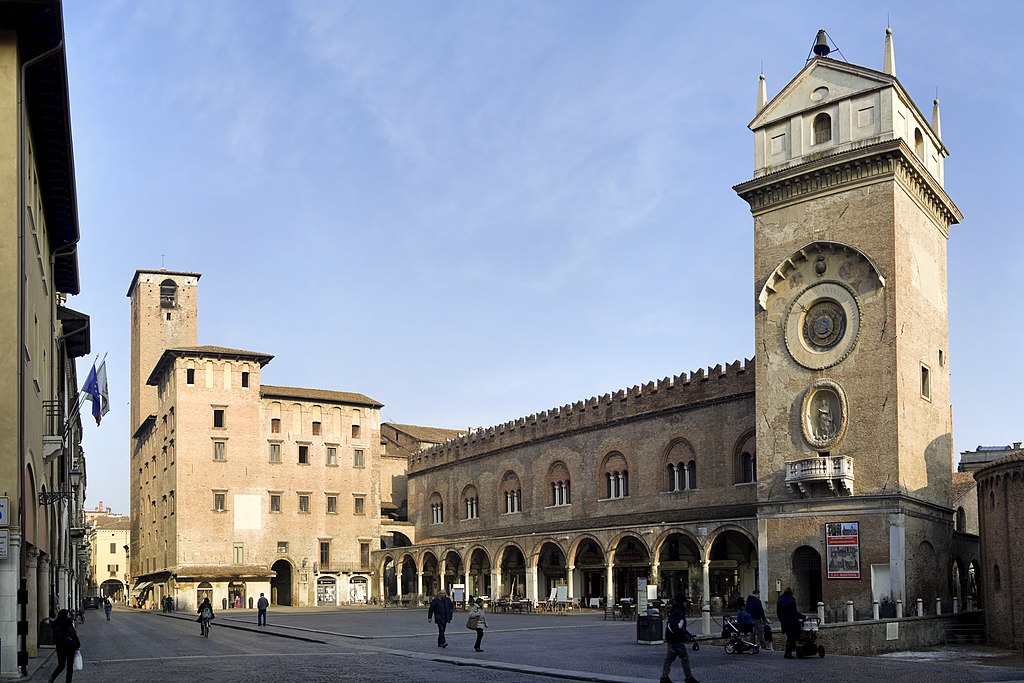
[892,635]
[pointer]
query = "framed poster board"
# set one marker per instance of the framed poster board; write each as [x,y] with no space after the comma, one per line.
[842,550]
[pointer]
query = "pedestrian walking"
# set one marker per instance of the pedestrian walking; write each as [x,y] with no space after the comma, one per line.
[441,609]
[107,607]
[755,608]
[675,641]
[477,622]
[65,640]
[790,620]
[261,610]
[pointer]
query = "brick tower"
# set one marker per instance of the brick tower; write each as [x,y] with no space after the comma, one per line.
[854,435]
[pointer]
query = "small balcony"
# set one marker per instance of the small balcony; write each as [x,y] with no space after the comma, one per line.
[53,431]
[832,471]
[76,525]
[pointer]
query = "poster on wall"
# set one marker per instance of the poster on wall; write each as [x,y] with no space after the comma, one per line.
[842,550]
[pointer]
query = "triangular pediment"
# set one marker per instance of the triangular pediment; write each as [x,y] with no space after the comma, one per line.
[839,80]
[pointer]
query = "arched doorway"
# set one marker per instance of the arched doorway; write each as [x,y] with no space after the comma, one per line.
[281,584]
[204,592]
[632,562]
[452,570]
[431,575]
[551,571]
[732,573]
[112,589]
[236,594]
[326,590]
[479,574]
[358,591]
[807,578]
[679,573]
[390,580]
[590,565]
[513,573]
[408,577]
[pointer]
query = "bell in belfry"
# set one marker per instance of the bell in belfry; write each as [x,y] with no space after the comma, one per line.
[821,47]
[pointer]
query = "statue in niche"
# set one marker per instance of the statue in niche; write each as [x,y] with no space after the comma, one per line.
[826,425]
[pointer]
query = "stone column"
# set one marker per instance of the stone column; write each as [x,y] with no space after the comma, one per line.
[442,567]
[653,581]
[531,586]
[570,580]
[465,580]
[419,583]
[496,582]
[705,600]
[400,575]
[609,583]
[34,600]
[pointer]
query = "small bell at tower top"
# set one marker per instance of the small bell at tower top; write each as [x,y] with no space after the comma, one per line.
[821,47]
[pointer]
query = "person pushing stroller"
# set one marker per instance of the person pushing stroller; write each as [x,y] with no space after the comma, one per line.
[755,608]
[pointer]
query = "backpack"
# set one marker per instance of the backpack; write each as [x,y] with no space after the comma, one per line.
[206,613]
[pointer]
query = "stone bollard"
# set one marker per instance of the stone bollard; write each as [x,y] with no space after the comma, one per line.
[899,609]
[705,618]
[938,606]
[874,610]
[849,611]
[970,603]
[821,613]
[956,605]
[920,607]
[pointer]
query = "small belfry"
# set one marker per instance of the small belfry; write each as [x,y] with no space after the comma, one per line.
[851,222]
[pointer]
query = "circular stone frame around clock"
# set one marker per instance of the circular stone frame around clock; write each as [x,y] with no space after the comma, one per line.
[822,325]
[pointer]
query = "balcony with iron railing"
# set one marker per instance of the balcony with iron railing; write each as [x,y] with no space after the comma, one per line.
[53,430]
[76,524]
[834,472]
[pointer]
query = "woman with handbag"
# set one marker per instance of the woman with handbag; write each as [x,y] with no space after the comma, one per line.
[65,639]
[477,622]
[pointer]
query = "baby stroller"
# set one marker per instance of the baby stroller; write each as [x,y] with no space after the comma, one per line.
[739,641]
[807,642]
[691,638]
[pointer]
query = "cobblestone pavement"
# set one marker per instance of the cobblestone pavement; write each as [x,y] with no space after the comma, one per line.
[400,645]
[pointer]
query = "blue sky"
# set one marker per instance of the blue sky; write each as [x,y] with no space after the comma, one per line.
[474,211]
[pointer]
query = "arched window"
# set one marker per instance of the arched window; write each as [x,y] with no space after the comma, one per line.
[822,128]
[512,491]
[749,465]
[992,499]
[997,580]
[558,484]
[168,294]
[472,503]
[615,473]
[436,509]
[745,459]
[679,453]
[918,144]
[691,474]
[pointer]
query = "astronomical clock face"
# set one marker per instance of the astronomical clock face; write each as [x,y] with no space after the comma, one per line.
[822,325]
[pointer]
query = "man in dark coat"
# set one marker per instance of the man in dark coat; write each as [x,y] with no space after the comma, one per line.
[790,620]
[675,640]
[755,608]
[442,610]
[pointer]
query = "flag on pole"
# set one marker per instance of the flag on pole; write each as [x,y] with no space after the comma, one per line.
[95,390]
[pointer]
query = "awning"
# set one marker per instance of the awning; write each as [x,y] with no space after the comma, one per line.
[142,586]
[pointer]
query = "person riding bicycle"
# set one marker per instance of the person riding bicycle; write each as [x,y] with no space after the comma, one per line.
[205,616]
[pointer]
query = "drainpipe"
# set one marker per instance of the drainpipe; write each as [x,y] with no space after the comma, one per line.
[22,200]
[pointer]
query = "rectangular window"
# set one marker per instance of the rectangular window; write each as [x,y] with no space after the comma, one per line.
[360,508]
[219,451]
[325,554]
[332,455]
[364,555]
[316,429]
[113,548]
[303,455]
[926,383]
[218,418]
[275,502]
[238,553]
[357,458]
[245,379]
[332,505]
[190,376]
[218,502]
[282,547]
[355,431]
[275,452]
[275,425]
[303,503]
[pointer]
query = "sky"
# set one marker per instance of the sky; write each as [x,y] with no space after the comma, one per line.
[475,211]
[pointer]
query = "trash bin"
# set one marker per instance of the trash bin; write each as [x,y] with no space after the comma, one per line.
[46,632]
[649,629]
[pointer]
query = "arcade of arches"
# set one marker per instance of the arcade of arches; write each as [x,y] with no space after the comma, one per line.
[710,568]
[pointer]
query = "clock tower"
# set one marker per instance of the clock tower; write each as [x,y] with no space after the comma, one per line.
[854,434]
